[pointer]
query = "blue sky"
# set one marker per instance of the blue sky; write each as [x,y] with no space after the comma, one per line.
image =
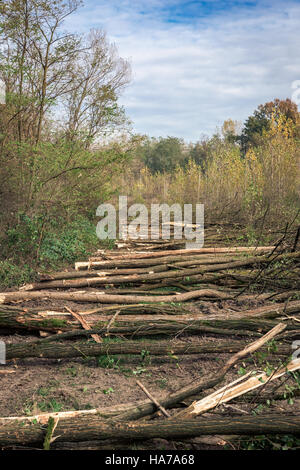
[197,63]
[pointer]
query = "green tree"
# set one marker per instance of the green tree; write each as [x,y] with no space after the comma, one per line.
[163,154]
[260,121]
[62,93]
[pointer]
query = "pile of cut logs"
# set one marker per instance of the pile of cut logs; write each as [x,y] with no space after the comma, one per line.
[138,291]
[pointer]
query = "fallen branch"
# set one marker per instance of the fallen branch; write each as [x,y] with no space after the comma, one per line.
[156,403]
[46,349]
[93,428]
[234,390]
[84,324]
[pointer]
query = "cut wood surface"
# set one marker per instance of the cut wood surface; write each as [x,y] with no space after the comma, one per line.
[234,390]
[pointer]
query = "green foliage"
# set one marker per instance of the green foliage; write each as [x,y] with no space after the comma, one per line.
[12,274]
[163,154]
[71,243]
[51,405]
[264,442]
[261,121]
[34,243]
[108,362]
[52,174]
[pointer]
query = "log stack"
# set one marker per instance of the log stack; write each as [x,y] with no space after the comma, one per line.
[160,291]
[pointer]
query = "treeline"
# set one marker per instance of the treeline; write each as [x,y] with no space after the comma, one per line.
[246,174]
[165,154]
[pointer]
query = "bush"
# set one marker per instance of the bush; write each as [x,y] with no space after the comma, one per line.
[34,245]
[69,243]
[12,274]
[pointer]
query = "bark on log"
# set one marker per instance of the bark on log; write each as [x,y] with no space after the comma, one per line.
[101,297]
[138,278]
[158,319]
[237,249]
[50,350]
[95,428]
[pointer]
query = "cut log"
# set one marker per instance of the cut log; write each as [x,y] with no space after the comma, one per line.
[138,278]
[140,262]
[94,427]
[235,249]
[46,349]
[50,350]
[148,267]
[129,263]
[8,297]
[156,322]
[107,272]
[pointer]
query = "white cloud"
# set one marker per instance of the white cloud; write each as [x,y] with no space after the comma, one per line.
[189,77]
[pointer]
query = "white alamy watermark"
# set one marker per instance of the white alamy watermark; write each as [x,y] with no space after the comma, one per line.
[296,92]
[137,222]
[2,352]
[2,92]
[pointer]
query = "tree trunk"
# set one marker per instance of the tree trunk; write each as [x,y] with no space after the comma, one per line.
[158,319]
[238,249]
[48,349]
[94,428]
[101,297]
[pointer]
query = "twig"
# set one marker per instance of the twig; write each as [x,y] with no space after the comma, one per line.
[52,423]
[84,324]
[111,321]
[296,240]
[162,409]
